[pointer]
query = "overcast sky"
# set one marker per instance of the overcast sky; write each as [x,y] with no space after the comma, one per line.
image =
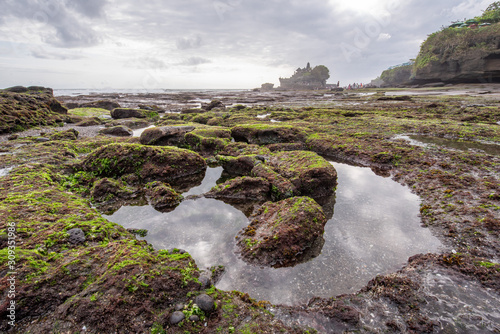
[211,43]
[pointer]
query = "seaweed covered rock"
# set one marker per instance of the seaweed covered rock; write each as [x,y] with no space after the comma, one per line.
[103,104]
[70,134]
[310,173]
[22,108]
[120,113]
[165,135]
[238,166]
[280,234]
[281,187]
[146,162]
[163,197]
[107,189]
[264,134]
[118,131]
[208,140]
[242,188]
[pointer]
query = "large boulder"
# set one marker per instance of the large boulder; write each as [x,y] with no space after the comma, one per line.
[310,173]
[280,234]
[102,104]
[22,108]
[165,135]
[146,162]
[209,140]
[264,134]
[242,188]
[120,113]
[118,131]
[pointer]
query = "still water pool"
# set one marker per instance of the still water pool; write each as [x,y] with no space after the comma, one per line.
[374,229]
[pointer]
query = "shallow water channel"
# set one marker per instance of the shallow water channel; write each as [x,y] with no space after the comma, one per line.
[374,229]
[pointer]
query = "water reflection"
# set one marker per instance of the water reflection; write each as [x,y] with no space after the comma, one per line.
[374,230]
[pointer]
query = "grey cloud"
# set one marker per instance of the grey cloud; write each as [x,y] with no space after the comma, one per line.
[65,26]
[148,62]
[185,43]
[89,8]
[194,61]
[44,54]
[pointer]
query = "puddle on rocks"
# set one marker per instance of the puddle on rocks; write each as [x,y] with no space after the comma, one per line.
[138,132]
[374,229]
[462,145]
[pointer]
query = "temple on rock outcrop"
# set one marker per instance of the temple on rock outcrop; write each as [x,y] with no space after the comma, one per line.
[307,78]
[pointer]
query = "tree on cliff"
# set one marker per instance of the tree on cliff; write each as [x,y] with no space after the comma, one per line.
[492,13]
[321,73]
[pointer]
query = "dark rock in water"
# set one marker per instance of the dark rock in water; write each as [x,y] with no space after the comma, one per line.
[120,113]
[242,188]
[162,197]
[147,162]
[194,318]
[205,303]
[102,104]
[76,236]
[119,131]
[192,111]
[280,234]
[176,317]
[213,104]
[70,134]
[165,135]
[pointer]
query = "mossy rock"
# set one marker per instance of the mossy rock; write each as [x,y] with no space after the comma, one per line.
[163,197]
[236,149]
[280,234]
[281,188]
[208,140]
[70,134]
[310,173]
[148,163]
[238,166]
[165,135]
[264,134]
[120,113]
[242,188]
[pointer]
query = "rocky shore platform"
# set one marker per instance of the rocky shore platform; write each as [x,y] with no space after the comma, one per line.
[65,161]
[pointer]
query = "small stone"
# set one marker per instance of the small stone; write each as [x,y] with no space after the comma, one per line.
[194,318]
[42,139]
[205,303]
[76,236]
[205,282]
[176,317]
[13,137]
[179,306]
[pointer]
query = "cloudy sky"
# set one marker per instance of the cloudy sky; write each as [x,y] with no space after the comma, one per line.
[194,44]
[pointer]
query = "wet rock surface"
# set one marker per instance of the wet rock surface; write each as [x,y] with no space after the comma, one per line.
[119,131]
[459,192]
[280,233]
